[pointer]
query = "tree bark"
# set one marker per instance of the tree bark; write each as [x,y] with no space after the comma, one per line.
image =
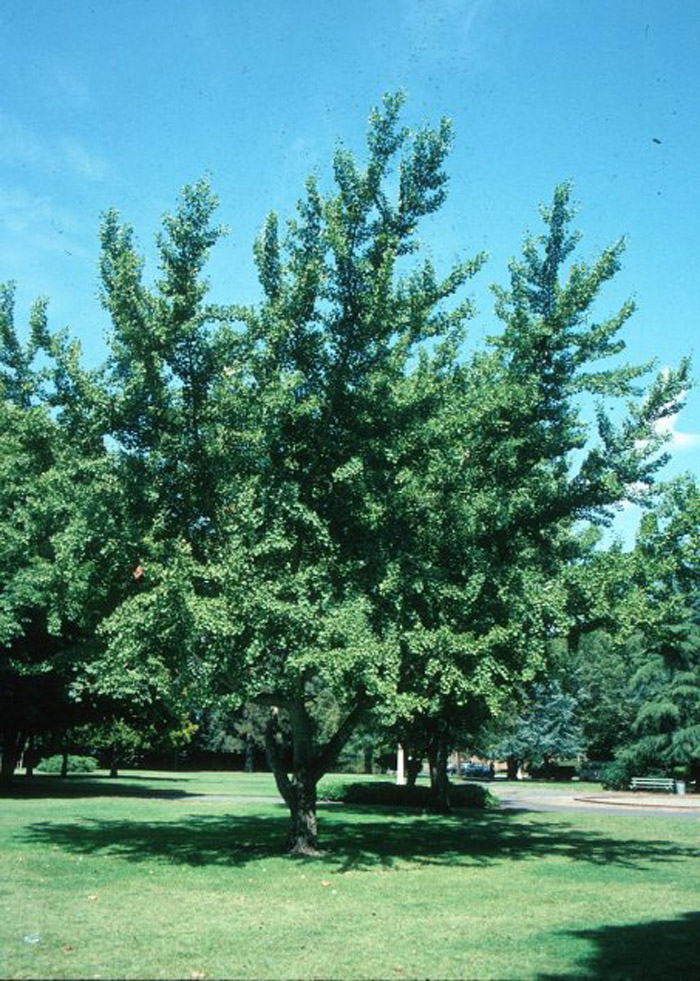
[12,746]
[309,764]
[438,752]
[303,831]
[30,757]
[413,768]
[299,790]
[248,754]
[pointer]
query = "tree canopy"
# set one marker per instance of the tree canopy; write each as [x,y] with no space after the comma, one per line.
[326,502]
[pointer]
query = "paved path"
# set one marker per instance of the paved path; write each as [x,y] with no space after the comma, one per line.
[521,797]
[516,796]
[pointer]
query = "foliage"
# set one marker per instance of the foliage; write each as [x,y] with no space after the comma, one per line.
[391,794]
[320,505]
[663,683]
[547,730]
[596,674]
[507,468]
[76,764]
[617,774]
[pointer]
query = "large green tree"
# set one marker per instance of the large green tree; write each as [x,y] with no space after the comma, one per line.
[56,527]
[332,396]
[504,469]
[321,504]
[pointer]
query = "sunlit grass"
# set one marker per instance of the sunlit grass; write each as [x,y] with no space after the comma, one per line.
[97,883]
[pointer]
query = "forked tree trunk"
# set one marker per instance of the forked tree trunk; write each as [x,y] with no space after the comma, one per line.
[310,762]
[299,788]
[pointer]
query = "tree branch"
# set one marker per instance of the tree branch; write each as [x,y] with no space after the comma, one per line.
[329,754]
[274,757]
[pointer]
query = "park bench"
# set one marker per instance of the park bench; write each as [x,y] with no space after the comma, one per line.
[654,783]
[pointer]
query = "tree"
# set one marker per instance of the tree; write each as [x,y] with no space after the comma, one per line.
[41,624]
[596,673]
[548,729]
[328,424]
[64,561]
[505,468]
[123,740]
[321,505]
[664,682]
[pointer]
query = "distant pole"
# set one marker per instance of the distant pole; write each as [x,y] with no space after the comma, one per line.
[400,766]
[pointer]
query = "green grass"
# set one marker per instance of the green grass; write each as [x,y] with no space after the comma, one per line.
[116,882]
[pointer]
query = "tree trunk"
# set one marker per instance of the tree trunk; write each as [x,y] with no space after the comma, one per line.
[64,754]
[309,764]
[114,763]
[7,766]
[512,765]
[299,790]
[413,767]
[303,830]
[29,758]
[248,759]
[12,745]
[439,781]
[368,754]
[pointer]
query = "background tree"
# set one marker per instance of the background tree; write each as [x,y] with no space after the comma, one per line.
[546,730]
[503,469]
[664,649]
[51,461]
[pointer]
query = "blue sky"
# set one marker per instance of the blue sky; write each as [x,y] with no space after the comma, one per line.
[120,103]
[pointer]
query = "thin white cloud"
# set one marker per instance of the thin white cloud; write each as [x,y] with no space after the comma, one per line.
[18,145]
[679,440]
[667,427]
[33,224]
[70,88]
[21,146]
[82,162]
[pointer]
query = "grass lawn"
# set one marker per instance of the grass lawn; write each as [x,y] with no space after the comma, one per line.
[103,879]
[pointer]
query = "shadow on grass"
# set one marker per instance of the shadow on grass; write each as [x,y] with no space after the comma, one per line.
[355,839]
[659,949]
[84,785]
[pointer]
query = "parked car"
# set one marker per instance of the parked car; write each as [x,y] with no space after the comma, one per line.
[478,771]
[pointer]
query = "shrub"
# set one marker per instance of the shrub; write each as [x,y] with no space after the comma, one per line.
[76,764]
[393,795]
[592,770]
[616,775]
[553,771]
